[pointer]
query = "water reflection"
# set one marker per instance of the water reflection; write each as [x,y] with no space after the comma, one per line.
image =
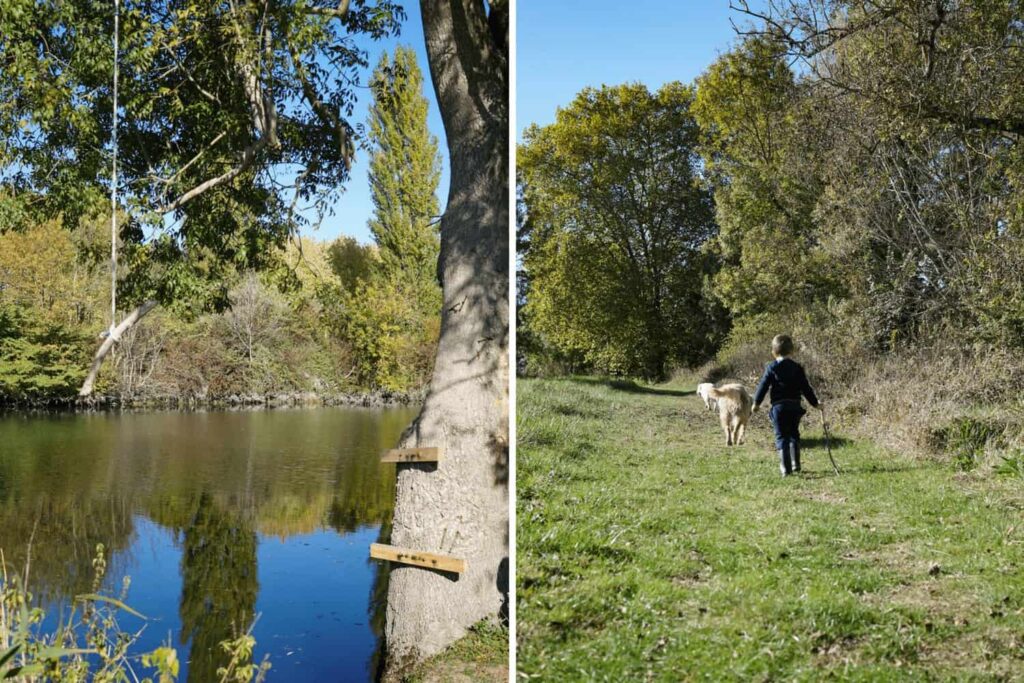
[237,502]
[219,586]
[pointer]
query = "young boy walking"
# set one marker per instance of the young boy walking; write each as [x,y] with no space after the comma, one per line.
[787,382]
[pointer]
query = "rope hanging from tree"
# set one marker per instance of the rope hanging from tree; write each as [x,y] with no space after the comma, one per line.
[113,182]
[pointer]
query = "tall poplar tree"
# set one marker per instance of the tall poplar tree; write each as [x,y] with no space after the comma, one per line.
[393,314]
[405,168]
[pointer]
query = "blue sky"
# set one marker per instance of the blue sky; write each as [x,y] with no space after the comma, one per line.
[354,208]
[565,45]
[562,47]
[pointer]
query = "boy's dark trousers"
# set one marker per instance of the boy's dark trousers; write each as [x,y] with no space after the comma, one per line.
[785,417]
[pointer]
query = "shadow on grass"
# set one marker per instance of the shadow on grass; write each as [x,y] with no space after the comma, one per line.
[630,386]
[819,442]
[854,470]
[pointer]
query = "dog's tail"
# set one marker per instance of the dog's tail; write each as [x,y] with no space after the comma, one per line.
[734,393]
[716,392]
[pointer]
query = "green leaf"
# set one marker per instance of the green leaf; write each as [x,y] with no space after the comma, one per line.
[6,656]
[113,601]
[54,652]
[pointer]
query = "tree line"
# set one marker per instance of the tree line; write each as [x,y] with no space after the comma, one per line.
[311,316]
[850,171]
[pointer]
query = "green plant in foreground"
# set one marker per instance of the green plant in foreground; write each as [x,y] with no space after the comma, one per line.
[1012,465]
[90,645]
[966,438]
[241,668]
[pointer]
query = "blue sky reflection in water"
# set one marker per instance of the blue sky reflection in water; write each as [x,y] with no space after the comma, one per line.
[216,517]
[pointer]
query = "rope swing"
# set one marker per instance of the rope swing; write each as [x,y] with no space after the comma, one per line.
[113,184]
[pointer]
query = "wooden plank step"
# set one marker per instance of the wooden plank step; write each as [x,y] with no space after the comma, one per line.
[428,454]
[419,558]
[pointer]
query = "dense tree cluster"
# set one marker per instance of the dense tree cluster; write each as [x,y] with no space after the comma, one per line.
[287,329]
[233,117]
[866,169]
[615,217]
[895,128]
[314,316]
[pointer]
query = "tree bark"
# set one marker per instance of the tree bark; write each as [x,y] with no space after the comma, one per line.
[108,344]
[460,505]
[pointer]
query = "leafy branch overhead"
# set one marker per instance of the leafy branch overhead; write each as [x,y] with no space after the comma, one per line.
[959,60]
[234,115]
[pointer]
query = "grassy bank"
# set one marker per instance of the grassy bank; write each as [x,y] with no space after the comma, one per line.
[481,656]
[648,550]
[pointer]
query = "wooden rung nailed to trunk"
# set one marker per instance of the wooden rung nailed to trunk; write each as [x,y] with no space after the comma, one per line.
[420,558]
[429,454]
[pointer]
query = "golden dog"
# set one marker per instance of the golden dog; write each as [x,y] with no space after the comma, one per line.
[734,409]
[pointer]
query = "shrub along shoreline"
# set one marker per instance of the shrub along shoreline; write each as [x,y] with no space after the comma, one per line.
[309,331]
[371,399]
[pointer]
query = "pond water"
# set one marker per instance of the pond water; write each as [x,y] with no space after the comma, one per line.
[217,518]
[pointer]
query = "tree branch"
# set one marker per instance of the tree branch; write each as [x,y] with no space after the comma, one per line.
[108,344]
[326,115]
[339,12]
[264,118]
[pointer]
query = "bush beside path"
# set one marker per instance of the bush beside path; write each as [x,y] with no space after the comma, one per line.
[648,550]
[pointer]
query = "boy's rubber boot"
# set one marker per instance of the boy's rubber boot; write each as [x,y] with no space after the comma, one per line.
[784,465]
[795,455]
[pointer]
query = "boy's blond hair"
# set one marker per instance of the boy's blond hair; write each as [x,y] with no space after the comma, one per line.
[782,345]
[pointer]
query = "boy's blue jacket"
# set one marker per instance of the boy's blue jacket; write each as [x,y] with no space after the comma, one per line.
[787,381]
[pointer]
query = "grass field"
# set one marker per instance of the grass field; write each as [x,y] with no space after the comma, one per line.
[647,550]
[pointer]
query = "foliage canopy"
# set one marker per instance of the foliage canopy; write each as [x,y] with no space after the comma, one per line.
[616,218]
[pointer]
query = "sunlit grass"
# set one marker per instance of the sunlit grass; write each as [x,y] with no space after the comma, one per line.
[647,549]
[480,656]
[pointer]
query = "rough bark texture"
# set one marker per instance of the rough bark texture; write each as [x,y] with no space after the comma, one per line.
[460,505]
[108,344]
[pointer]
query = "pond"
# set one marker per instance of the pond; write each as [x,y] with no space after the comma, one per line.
[217,518]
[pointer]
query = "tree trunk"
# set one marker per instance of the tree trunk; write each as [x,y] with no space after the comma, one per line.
[460,506]
[108,344]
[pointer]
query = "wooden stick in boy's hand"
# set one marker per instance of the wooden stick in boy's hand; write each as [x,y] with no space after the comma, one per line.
[828,440]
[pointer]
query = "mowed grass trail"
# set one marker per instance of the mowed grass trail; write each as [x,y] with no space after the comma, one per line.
[647,550]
